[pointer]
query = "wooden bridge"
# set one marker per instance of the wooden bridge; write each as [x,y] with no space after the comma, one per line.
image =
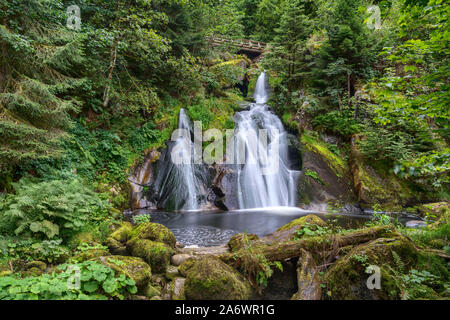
[245,45]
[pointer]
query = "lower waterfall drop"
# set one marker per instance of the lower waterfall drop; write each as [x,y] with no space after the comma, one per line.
[257,185]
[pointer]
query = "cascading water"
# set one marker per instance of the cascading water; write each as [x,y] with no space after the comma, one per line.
[179,186]
[264,178]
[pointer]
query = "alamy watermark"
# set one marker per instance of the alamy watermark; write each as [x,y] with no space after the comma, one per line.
[374,21]
[74,19]
[247,147]
[374,281]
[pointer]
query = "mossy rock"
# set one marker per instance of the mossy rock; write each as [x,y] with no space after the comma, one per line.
[174,290]
[37,264]
[116,247]
[90,254]
[155,232]
[172,272]
[83,237]
[208,278]
[152,291]
[32,272]
[347,278]
[289,231]
[156,254]
[116,240]
[133,267]
[122,233]
[237,241]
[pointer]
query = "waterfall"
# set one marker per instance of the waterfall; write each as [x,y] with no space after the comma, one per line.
[257,186]
[179,186]
[261,96]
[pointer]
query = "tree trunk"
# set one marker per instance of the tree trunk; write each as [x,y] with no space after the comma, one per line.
[349,90]
[3,61]
[112,64]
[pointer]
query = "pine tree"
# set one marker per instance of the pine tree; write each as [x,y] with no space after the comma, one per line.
[348,54]
[288,53]
[40,61]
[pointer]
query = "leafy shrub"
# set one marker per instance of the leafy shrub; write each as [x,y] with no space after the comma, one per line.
[48,209]
[337,122]
[96,281]
[255,265]
[49,251]
[142,218]
[382,144]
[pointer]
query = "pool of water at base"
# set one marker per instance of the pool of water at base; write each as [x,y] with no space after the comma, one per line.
[206,228]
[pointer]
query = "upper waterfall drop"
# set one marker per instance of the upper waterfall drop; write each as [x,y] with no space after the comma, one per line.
[261,95]
[264,179]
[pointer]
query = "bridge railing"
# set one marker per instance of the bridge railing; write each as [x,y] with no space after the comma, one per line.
[243,43]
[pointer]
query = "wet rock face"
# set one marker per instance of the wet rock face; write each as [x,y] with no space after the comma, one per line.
[226,181]
[325,176]
[141,182]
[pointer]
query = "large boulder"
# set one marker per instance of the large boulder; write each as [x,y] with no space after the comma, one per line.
[347,278]
[154,232]
[156,254]
[208,278]
[133,267]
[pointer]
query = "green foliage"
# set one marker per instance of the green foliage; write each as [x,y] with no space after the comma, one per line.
[337,122]
[142,218]
[96,282]
[314,175]
[50,251]
[49,209]
[255,265]
[311,230]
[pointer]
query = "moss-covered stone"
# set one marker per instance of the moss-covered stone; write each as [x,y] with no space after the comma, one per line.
[116,240]
[174,290]
[32,272]
[172,272]
[346,279]
[208,278]
[156,254]
[133,267]
[238,240]
[90,254]
[37,264]
[155,232]
[83,237]
[116,247]
[151,291]
[289,231]
[122,233]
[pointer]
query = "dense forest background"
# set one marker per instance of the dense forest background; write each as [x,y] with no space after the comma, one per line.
[79,107]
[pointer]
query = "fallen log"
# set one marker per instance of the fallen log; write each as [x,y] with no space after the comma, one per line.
[280,251]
